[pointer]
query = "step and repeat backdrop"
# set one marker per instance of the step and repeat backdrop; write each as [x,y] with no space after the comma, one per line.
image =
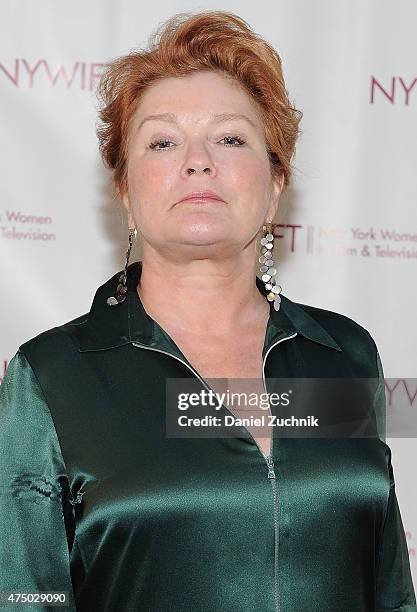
[348,226]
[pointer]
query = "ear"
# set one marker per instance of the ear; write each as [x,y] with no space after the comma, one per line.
[277,187]
[130,220]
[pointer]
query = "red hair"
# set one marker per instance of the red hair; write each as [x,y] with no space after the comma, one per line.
[190,42]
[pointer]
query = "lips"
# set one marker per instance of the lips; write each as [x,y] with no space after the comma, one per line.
[201,196]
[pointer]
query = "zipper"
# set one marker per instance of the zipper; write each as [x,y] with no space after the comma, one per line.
[268,458]
[272,477]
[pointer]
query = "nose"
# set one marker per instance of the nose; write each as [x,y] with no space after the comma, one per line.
[198,161]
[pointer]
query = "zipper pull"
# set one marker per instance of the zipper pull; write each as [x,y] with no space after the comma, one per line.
[270,462]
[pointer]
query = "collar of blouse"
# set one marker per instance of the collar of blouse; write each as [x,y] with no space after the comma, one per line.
[110,327]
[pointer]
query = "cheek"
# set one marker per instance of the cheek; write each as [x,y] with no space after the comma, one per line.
[251,173]
[149,181]
[249,160]
[149,176]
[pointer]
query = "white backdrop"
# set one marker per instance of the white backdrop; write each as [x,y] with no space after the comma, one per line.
[349,235]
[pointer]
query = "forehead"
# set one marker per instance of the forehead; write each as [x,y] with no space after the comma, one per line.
[197,97]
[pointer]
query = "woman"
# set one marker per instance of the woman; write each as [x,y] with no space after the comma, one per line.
[96,499]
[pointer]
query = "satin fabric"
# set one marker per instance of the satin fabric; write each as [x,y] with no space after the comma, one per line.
[97,501]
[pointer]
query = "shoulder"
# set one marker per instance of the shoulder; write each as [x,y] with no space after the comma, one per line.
[352,338]
[338,324]
[55,344]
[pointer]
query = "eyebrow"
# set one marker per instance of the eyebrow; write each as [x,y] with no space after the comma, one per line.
[217,118]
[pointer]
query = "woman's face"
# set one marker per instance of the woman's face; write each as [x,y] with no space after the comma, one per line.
[194,146]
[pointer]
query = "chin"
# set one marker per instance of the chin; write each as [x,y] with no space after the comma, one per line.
[202,232]
[201,240]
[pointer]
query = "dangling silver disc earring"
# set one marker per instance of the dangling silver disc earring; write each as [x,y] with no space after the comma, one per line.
[121,289]
[268,266]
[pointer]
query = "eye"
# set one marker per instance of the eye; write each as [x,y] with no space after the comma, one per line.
[154,144]
[239,140]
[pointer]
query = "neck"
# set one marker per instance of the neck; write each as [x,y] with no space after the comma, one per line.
[202,297]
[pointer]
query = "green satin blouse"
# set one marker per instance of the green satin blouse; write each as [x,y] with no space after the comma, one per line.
[96,500]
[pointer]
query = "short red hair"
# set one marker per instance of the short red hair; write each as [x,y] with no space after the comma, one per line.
[190,42]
